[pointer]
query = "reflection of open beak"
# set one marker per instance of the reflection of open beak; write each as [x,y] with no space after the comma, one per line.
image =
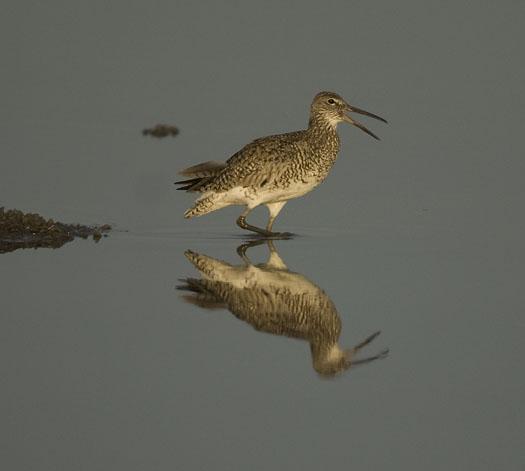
[354,109]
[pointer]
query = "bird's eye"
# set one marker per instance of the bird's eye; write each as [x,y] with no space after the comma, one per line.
[331,101]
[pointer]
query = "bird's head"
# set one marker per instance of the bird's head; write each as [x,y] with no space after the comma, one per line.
[333,109]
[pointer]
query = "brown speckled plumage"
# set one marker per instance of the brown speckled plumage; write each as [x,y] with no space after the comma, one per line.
[280,161]
[273,169]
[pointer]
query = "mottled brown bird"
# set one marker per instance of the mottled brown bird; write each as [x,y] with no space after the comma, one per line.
[274,169]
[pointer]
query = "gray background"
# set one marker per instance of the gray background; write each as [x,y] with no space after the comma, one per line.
[421,235]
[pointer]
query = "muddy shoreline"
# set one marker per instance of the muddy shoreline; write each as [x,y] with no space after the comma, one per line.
[19,230]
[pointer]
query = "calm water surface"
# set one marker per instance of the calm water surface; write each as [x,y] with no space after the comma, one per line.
[106,365]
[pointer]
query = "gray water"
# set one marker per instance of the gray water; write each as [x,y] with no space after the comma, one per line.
[105,366]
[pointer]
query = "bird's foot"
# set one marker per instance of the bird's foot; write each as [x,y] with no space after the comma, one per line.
[262,233]
[281,235]
[268,235]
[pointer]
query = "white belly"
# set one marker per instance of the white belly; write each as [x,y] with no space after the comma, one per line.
[253,197]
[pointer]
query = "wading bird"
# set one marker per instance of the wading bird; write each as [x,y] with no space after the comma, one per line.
[274,169]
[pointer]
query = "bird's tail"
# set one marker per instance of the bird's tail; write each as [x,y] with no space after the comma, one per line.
[204,205]
[200,175]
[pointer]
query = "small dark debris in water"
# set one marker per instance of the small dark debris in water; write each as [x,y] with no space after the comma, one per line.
[20,230]
[161,130]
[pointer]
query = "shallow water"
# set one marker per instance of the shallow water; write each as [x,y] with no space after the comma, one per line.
[104,364]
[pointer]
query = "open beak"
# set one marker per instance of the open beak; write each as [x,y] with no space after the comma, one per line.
[355,109]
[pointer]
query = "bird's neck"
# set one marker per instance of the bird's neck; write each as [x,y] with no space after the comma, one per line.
[321,123]
[322,134]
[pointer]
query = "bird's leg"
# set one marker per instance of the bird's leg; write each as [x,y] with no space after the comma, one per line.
[274,209]
[241,222]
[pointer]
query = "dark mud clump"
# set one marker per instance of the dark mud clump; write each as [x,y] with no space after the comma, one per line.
[20,230]
[161,130]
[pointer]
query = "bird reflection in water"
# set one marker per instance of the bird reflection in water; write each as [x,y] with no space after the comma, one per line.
[275,300]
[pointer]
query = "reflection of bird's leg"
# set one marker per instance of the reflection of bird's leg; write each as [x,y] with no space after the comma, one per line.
[274,260]
[241,250]
[350,353]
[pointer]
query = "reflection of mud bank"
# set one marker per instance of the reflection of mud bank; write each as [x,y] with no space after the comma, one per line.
[23,231]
